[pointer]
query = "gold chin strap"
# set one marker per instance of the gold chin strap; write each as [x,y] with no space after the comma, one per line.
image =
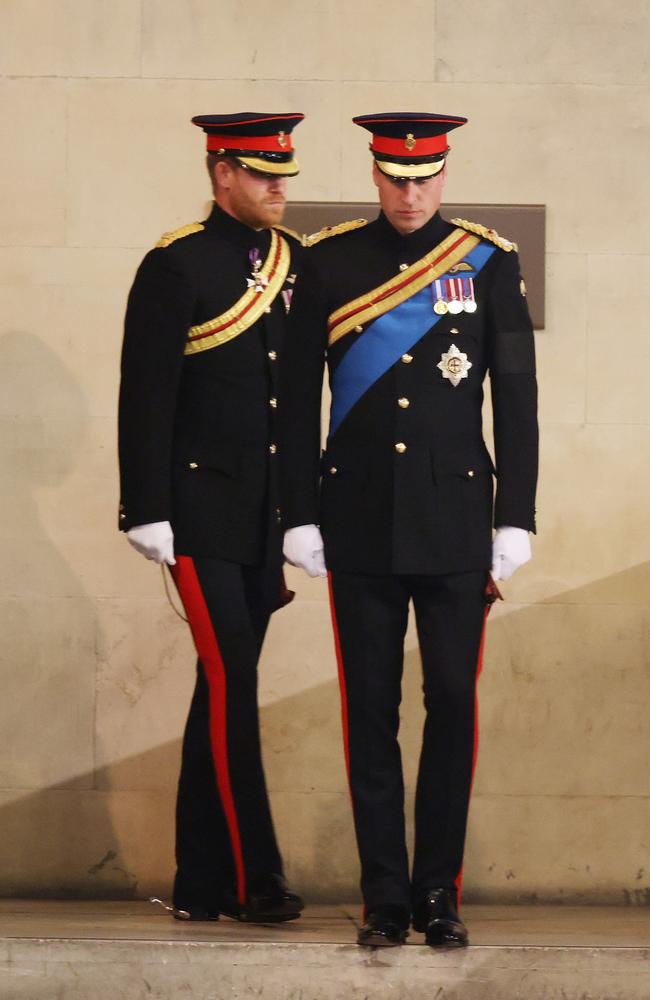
[289,169]
[410,170]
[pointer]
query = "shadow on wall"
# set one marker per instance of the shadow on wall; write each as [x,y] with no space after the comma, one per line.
[48,625]
[561,806]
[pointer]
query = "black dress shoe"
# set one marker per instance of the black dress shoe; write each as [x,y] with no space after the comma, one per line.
[385,927]
[437,917]
[268,901]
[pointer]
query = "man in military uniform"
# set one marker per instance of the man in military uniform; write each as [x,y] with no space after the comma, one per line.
[410,312]
[199,491]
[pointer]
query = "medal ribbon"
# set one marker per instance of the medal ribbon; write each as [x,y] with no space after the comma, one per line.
[247,310]
[384,341]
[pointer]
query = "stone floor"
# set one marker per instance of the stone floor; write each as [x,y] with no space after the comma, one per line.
[52,950]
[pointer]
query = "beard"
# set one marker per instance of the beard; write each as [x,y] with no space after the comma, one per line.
[261,214]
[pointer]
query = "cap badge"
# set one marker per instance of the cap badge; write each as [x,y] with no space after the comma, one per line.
[282,141]
[409,142]
[454,365]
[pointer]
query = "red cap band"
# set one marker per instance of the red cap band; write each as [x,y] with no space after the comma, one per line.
[411,145]
[279,143]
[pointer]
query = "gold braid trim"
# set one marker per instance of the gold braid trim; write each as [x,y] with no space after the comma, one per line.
[327,231]
[487,234]
[291,232]
[403,286]
[178,234]
[249,308]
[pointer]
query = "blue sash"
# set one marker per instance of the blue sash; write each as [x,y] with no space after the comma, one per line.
[384,342]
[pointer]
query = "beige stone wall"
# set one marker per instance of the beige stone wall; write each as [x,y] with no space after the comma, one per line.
[97,158]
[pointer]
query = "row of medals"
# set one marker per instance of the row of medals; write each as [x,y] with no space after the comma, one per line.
[453,295]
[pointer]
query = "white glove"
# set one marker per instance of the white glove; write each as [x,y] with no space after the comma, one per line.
[303,547]
[154,541]
[510,550]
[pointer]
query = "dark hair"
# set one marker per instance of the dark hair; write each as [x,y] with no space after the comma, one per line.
[211,161]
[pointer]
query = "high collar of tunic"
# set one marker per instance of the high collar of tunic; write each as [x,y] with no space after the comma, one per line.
[419,242]
[236,232]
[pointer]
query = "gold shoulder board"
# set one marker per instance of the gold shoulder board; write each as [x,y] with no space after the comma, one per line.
[178,234]
[327,231]
[487,234]
[290,232]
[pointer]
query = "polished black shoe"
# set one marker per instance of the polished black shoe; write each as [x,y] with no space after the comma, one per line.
[436,916]
[269,901]
[385,927]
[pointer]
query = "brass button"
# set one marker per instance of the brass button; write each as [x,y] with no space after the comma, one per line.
[193,465]
[122,517]
[358,329]
[470,472]
[400,447]
[272,356]
[273,402]
[333,470]
[404,402]
[454,329]
[407,358]
[403,267]
[273,448]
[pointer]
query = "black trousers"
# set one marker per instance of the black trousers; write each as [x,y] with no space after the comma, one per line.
[370,615]
[224,830]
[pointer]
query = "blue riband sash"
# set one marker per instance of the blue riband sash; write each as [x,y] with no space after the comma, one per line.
[383,343]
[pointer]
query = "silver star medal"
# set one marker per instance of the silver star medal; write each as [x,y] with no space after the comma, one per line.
[454,365]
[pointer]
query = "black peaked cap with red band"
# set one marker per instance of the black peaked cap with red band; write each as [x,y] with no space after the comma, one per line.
[409,145]
[258,141]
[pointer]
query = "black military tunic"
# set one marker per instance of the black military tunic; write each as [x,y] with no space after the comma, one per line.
[405,505]
[197,443]
[426,508]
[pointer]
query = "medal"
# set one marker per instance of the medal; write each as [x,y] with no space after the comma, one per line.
[454,365]
[455,306]
[469,302]
[439,306]
[257,281]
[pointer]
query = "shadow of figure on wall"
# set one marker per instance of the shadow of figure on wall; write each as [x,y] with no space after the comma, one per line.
[49,629]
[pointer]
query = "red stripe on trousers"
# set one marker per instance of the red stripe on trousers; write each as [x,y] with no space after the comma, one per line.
[207,647]
[342,684]
[479,668]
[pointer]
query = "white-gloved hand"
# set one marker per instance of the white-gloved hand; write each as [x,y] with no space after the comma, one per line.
[510,550]
[303,547]
[154,541]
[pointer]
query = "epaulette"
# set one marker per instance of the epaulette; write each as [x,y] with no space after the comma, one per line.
[178,234]
[488,234]
[327,231]
[290,232]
